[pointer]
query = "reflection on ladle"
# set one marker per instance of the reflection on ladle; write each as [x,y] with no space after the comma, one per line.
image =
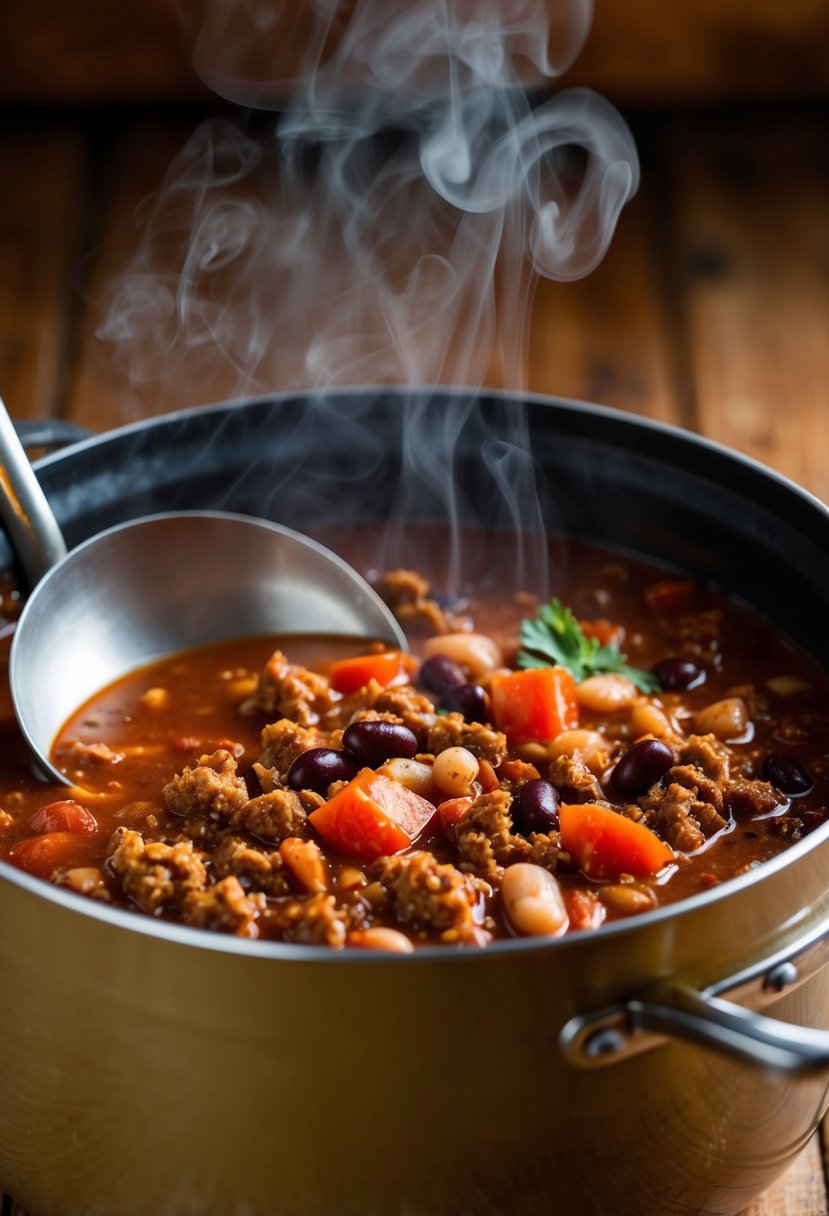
[152,586]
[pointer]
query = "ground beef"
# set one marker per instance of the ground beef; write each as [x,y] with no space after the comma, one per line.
[452,730]
[407,594]
[292,691]
[315,921]
[154,875]
[224,908]
[256,869]
[574,780]
[272,816]
[485,839]
[409,706]
[707,753]
[679,817]
[545,850]
[282,742]
[692,778]
[745,799]
[428,895]
[211,789]
[85,754]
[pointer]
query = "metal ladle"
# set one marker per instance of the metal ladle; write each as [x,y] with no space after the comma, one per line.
[153,586]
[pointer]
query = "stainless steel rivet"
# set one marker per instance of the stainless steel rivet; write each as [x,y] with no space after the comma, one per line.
[780,977]
[604,1042]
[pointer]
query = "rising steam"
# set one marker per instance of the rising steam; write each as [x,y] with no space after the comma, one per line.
[386,219]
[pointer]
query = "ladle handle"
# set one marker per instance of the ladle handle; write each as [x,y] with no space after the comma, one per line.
[32,528]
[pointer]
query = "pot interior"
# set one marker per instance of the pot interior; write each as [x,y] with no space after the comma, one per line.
[444,456]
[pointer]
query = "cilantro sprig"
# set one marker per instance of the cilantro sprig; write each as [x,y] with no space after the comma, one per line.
[554,638]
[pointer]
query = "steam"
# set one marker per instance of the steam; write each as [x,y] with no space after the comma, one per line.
[380,217]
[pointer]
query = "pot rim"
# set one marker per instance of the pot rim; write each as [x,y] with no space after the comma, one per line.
[184,935]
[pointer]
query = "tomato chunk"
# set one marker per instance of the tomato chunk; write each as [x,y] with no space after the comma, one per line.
[535,706]
[607,844]
[671,596]
[64,816]
[371,817]
[43,855]
[387,667]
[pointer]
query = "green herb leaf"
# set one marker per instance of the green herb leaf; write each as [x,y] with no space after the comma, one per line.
[554,638]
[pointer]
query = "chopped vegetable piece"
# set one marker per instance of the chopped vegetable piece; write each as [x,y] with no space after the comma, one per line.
[372,817]
[534,706]
[387,667]
[453,811]
[43,855]
[671,596]
[604,631]
[555,639]
[607,844]
[64,816]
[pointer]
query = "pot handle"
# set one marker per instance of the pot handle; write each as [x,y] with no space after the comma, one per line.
[49,432]
[670,1010]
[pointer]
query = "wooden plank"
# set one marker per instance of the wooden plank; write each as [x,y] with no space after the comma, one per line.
[100,393]
[753,201]
[609,338]
[55,52]
[40,214]
[800,1192]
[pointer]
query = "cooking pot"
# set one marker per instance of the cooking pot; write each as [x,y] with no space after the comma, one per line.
[153,1068]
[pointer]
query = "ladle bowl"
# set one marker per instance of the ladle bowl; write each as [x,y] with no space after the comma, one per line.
[153,586]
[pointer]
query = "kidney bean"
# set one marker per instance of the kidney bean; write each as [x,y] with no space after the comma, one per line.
[676,673]
[440,673]
[470,700]
[641,766]
[318,767]
[787,774]
[536,807]
[374,741]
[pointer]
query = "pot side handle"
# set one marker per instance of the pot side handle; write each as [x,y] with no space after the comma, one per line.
[671,1010]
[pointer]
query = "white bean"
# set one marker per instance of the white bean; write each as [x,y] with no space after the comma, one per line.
[476,653]
[589,744]
[454,770]
[533,902]
[606,694]
[380,939]
[726,719]
[416,775]
[649,719]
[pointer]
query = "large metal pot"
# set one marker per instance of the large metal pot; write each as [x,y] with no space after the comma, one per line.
[145,1068]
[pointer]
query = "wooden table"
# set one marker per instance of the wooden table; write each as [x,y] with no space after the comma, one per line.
[711,310]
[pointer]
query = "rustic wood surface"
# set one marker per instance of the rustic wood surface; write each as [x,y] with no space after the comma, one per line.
[684,50]
[710,311]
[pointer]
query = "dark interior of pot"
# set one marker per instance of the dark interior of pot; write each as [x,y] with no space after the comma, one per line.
[440,456]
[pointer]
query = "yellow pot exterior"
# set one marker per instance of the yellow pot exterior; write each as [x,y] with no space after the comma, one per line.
[176,1073]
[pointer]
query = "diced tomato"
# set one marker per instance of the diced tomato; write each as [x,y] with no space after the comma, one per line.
[43,855]
[64,816]
[487,777]
[671,596]
[371,817]
[186,743]
[453,811]
[586,911]
[535,706]
[606,844]
[605,632]
[387,667]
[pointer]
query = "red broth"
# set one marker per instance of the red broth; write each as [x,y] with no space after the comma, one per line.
[532,805]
